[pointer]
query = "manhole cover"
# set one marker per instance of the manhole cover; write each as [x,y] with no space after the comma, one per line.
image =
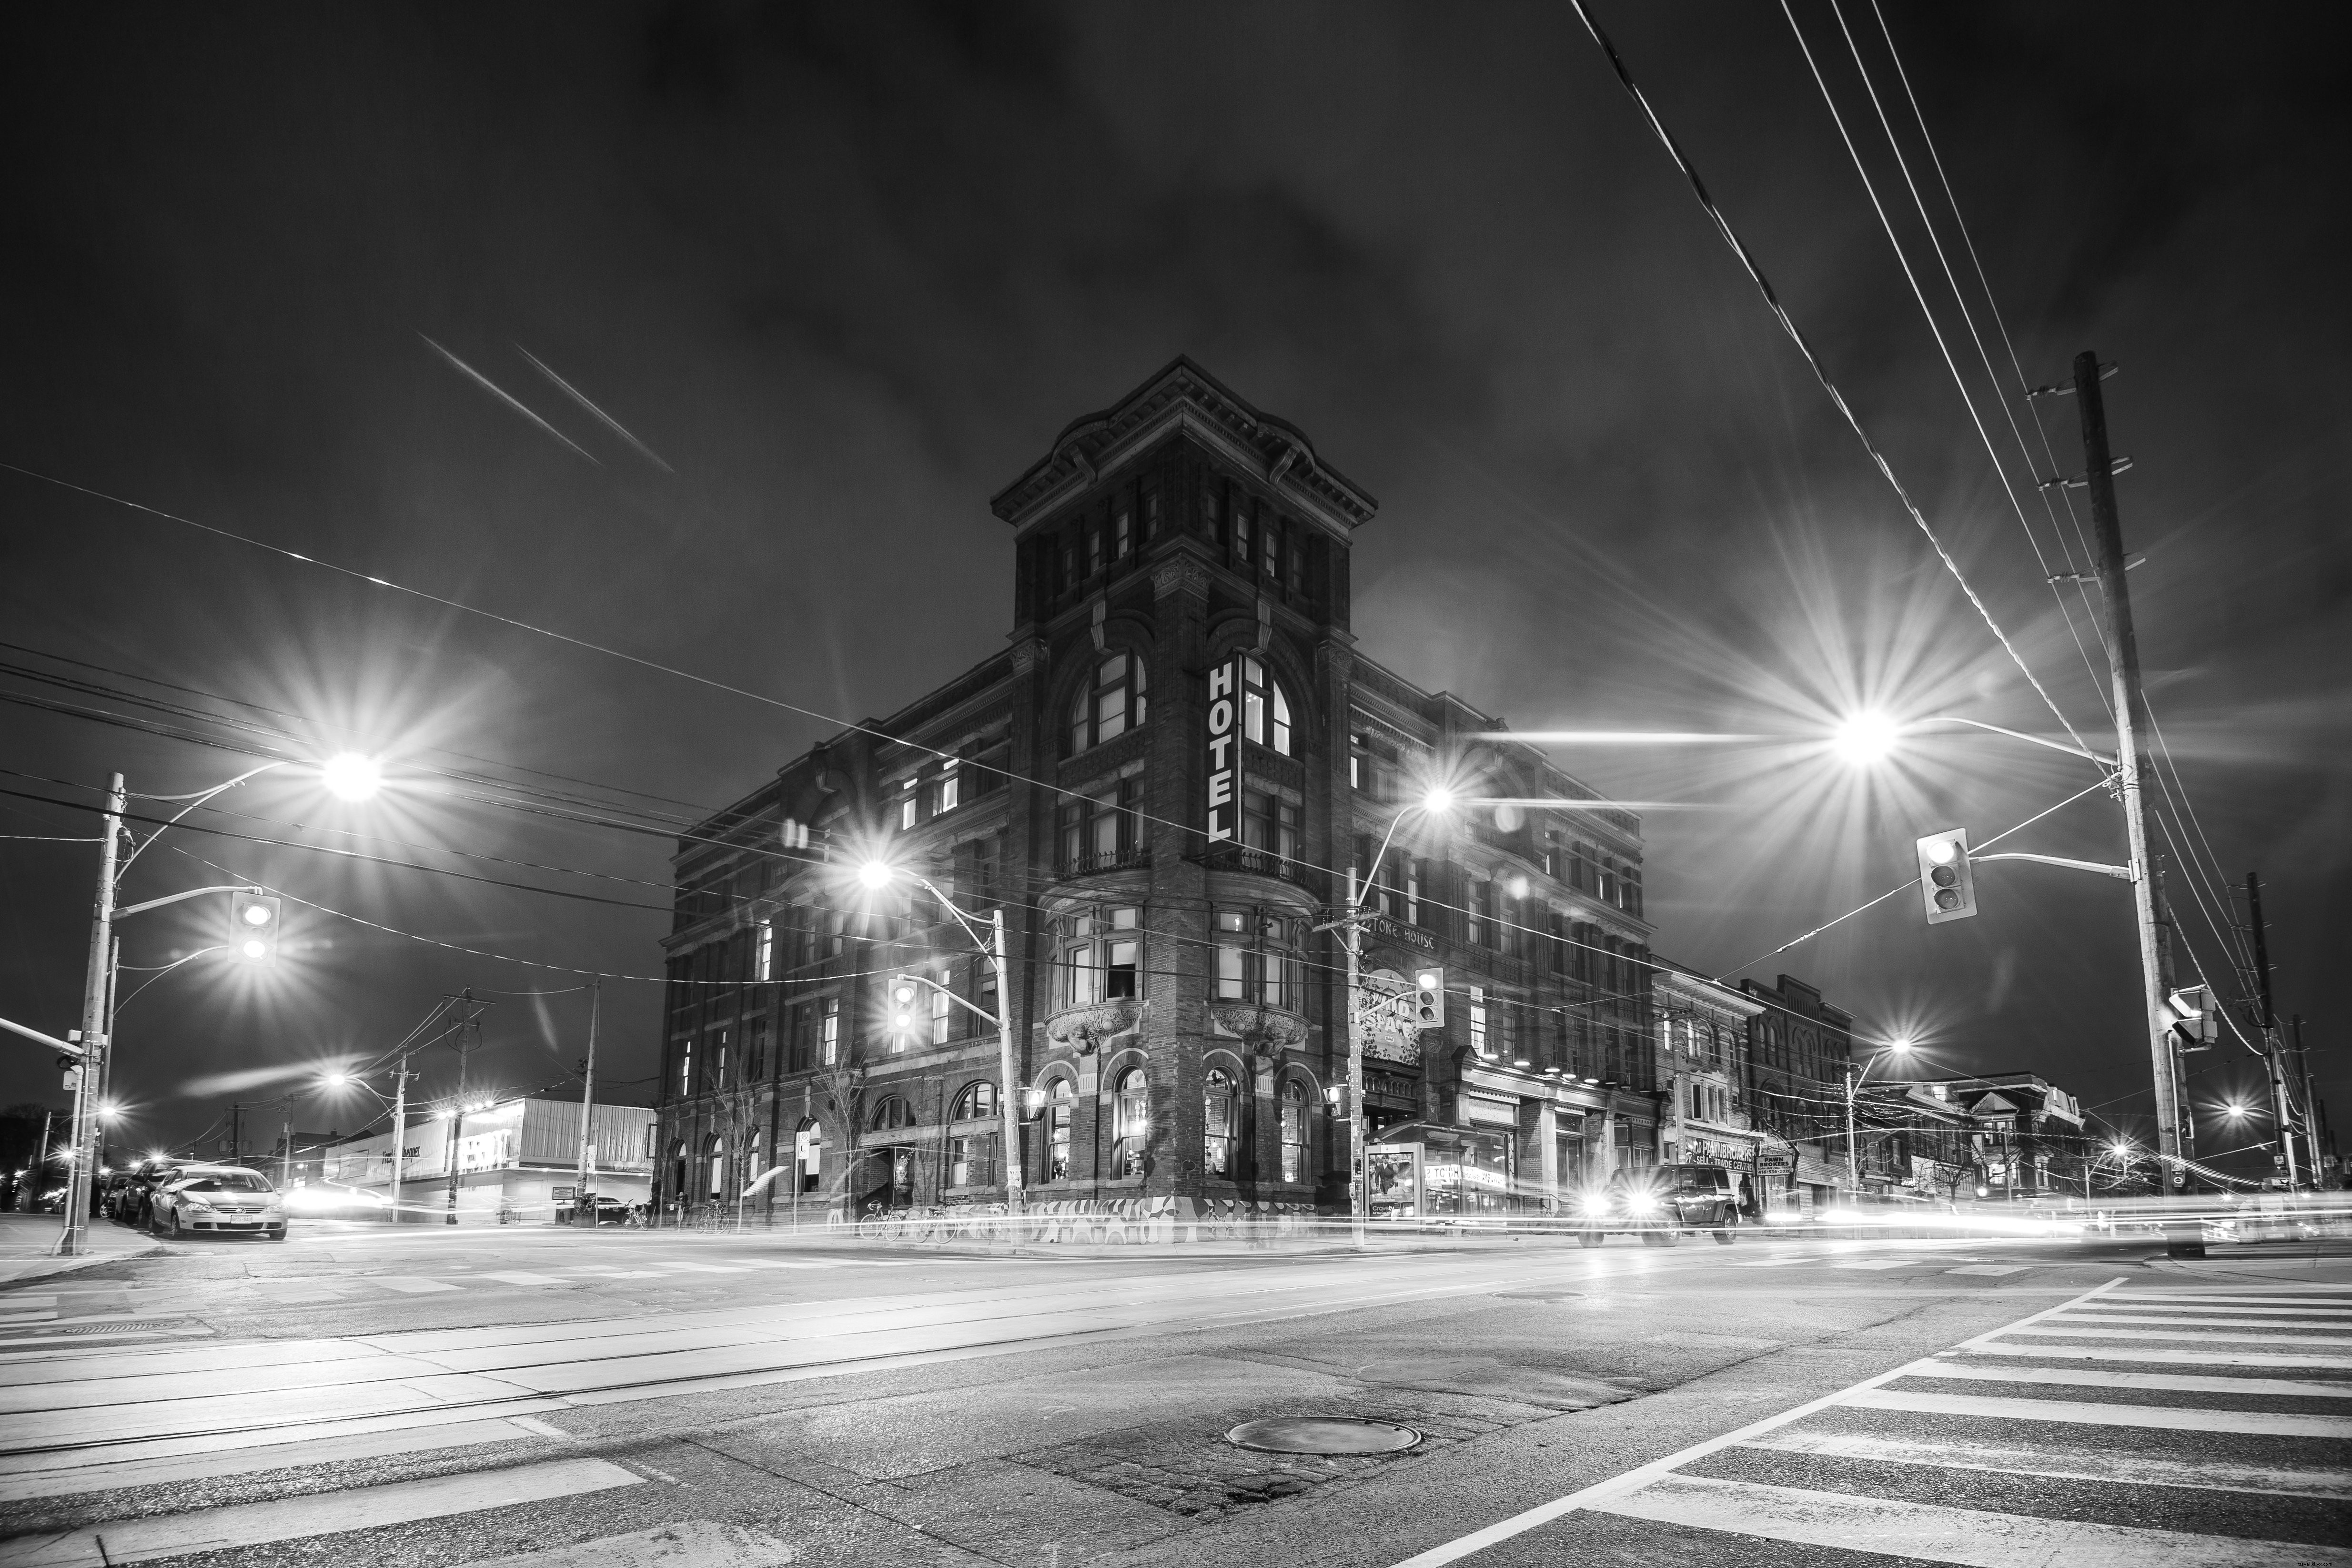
[1321,1434]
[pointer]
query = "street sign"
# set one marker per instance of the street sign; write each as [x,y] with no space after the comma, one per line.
[1385,1017]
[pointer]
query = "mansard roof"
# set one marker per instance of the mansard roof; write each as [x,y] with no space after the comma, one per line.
[1183,394]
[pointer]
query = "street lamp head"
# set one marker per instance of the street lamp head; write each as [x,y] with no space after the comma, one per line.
[2233,1110]
[350,776]
[1439,798]
[874,874]
[1902,1047]
[1864,738]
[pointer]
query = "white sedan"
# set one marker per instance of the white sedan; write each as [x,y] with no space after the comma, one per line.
[219,1200]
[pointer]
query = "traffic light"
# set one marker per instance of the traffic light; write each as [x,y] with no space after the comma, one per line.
[1946,883]
[2198,1022]
[1429,999]
[253,927]
[902,994]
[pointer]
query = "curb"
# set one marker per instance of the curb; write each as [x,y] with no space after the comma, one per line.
[40,1269]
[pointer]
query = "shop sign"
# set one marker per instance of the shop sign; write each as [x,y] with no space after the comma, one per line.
[482,1152]
[1388,930]
[1383,1017]
[1468,1176]
[1225,747]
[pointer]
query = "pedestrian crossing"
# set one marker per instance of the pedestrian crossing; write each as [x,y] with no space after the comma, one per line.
[95,1314]
[2208,1431]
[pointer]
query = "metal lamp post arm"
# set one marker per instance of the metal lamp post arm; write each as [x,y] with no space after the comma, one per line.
[131,910]
[2105,761]
[1008,1090]
[195,800]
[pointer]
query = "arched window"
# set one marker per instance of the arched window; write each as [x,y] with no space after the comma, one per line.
[714,1151]
[1110,704]
[1265,707]
[972,1150]
[808,1150]
[678,1185]
[1293,1132]
[754,1158]
[1219,1122]
[1133,1124]
[1058,1106]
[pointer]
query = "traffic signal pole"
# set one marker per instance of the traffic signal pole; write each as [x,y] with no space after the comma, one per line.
[2273,1045]
[2131,721]
[96,984]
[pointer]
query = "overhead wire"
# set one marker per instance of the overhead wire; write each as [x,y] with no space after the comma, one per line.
[1812,359]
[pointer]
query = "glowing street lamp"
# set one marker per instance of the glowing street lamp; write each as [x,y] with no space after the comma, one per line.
[1896,1048]
[350,776]
[1864,738]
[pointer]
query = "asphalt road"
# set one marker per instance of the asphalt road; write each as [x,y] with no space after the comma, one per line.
[552,1399]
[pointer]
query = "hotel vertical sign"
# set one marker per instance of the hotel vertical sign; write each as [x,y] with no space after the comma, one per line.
[1225,747]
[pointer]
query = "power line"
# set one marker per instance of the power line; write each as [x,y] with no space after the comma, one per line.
[1820,372]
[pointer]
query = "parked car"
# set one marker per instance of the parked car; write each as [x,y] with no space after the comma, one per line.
[134,1204]
[610,1210]
[1663,1206]
[218,1199]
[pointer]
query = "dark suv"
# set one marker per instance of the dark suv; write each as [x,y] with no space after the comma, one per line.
[1663,1206]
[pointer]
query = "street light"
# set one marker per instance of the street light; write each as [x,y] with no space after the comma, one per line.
[1865,737]
[877,874]
[349,776]
[1853,1081]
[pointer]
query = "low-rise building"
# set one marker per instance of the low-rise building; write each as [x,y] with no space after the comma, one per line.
[515,1158]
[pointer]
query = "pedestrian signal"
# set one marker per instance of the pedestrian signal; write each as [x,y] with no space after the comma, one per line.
[1946,883]
[1429,999]
[253,927]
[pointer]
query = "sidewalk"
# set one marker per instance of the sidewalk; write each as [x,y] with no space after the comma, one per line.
[28,1242]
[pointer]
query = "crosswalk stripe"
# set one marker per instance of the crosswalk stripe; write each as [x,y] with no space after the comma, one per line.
[1994,1268]
[2214,1318]
[790,1262]
[1970,1538]
[73,1474]
[2085,1377]
[2054,1330]
[2167,1417]
[2069,1464]
[2234,1309]
[521,1278]
[329,1513]
[407,1286]
[1888,1263]
[2274,1359]
[2206,1297]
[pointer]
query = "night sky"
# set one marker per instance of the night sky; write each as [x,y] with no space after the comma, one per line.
[841,272]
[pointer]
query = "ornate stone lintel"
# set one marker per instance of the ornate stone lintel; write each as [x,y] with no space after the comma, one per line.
[1180,574]
[1028,653]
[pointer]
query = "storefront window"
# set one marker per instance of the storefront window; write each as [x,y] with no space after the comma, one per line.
[1134,1123]
[1218,1122]
[1057,1131]
[1293,1132]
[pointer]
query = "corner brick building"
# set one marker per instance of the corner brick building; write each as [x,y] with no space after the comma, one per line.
[1177,1014]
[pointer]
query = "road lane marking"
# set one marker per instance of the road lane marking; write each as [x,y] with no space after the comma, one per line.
[790,1262]
[1601,1493]
[2196,1336]
[2160,1357]
[2234,1309]
[693,1543]
[2165,1417]
[2068,1464]
[69,1474]
[1994,1268]
[329,1513]
[2215,1320]
[1888,1263]
[406,1284]
[700,1268]
[1967,1537]
[521,1278]
[2182,1382]
[2206,1298]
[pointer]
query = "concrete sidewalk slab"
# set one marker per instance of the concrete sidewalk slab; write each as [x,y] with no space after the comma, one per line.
[28,1246]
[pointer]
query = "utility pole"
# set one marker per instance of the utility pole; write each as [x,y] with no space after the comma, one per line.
[457,1112]
[2131,721]
[585,1202]
[1853,1158]
[285,1160]
[1008,1090]
[2315,1138]
[2273,1049]
[236,1132]
[1359,1196]
[2168,976]
[399,1129]
[96,987]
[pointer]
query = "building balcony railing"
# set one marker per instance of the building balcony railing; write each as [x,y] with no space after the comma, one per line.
[1089,864]
[1265,863]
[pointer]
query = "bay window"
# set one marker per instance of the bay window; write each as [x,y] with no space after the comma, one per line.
[1257,958]
[1104,830]
[1101,955]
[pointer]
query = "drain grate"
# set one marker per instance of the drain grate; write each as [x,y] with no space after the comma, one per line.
[1322,1434]
[101,1328]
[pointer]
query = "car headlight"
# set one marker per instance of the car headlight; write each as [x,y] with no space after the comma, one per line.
[195,1204]
[1641,1202]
